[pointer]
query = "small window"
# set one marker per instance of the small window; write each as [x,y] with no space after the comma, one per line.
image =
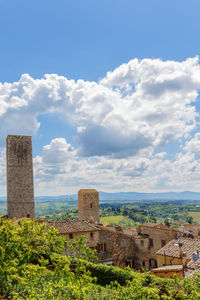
[91,205]
[150,263]
[91,235]
[150,243]
[122,244]
[163,243]
[143,263]
[142,243]
[130,263]
[28,215]
[71,235]
[101,247]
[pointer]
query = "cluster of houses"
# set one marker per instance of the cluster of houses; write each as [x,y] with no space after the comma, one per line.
[163,250]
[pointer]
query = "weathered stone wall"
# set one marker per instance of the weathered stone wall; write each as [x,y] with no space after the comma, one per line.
[20,192]
[120,247]
[92,238]
[88,205]
[154,237]
[194,229]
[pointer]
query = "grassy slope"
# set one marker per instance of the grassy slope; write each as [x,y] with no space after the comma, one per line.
[118,220]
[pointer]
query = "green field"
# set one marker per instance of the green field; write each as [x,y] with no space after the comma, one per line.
[195,215]
[118,220]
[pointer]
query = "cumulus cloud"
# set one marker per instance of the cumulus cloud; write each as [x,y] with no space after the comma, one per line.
[141,104]
[120,121]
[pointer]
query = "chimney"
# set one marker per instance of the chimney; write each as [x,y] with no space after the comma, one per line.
[180,245]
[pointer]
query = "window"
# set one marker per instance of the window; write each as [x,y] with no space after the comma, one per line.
[91,235]
[71,235]
[91,205]
[150,243]
[101,247]
[28,215]
[142,243]
[130,263]
[143,263]
[163,243]
[150,263]
[122,244]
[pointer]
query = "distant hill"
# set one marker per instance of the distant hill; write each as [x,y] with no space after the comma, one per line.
[187,195]
[134,196]
[126,196]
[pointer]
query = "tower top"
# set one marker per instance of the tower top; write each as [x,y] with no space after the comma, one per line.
[88,205]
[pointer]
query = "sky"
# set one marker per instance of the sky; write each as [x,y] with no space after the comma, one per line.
[108,90]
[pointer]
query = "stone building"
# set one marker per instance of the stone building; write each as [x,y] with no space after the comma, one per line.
[88,205]
[20,192]
[169,271]
[180,256]
[192,229]
[116,247]
[77,228]
[178,251]
[151,237]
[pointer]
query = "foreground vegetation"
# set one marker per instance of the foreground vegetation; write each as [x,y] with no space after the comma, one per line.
[32,266]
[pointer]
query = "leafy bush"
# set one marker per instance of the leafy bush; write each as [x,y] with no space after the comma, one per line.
[32,266]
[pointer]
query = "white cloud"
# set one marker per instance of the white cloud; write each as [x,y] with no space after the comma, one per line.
[120,122]
[156,107]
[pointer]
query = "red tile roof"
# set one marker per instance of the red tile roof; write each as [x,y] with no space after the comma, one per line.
[194,265]
[70,226]
[189,246]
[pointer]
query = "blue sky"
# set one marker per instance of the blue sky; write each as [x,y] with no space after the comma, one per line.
[135,128]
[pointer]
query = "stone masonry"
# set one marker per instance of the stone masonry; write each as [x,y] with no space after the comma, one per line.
[20,193]
[88,205]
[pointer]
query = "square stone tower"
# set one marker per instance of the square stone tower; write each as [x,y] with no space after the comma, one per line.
[20,193]
[88,205]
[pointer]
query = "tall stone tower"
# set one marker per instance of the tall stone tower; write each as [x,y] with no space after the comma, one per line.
[20,194]
[88,205]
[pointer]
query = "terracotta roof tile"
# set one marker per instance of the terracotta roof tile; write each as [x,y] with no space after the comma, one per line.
[189,246]
[194,265]
[70,226]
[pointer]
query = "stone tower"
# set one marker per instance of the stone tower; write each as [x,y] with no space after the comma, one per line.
[88,205]
[20,194]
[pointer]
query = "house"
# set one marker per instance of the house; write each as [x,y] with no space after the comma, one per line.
[117,246]
[77,228]
[180,253]
[169,271]
[151,237]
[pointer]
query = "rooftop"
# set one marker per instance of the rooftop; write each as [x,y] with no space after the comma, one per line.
[71,226]
[194,265]
[156,225]
[189,246]
[170,268]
